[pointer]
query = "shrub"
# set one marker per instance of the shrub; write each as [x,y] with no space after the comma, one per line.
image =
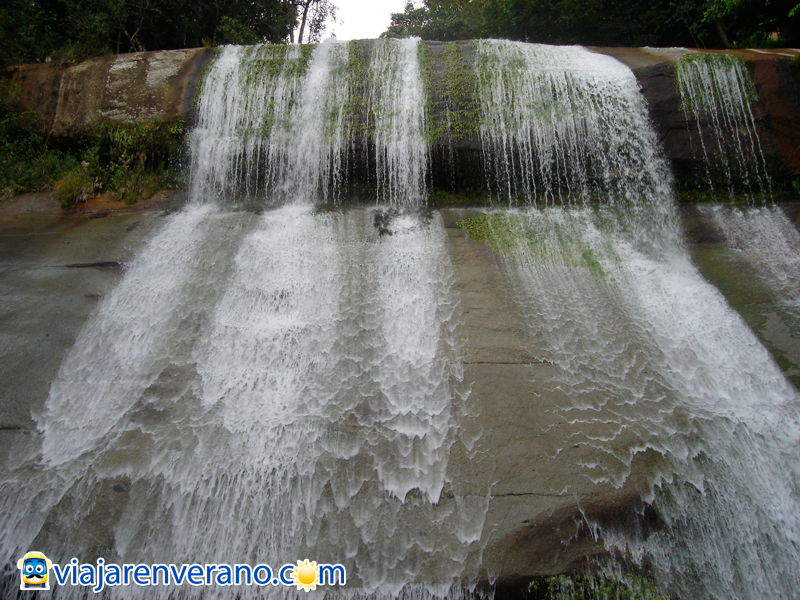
[74,187]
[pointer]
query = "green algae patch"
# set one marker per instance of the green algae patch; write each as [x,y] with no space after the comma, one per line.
[540,240]
[500,231]
[467,197]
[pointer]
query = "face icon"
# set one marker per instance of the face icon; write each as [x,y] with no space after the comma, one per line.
[34,567]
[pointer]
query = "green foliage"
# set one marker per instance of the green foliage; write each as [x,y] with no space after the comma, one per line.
[704,23]
[597,587]
[133,161]
[444,20]
[34,30]
[74,187]
[27,163]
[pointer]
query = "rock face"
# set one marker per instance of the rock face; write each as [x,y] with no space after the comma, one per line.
[777,112]
[72,102]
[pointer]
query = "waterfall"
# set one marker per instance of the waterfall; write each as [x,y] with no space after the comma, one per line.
[278,377]
[562,124]
[718,95]
[281,122]
[264,386]
[656,367]
[674,396]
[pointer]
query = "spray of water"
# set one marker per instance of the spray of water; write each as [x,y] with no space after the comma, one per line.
[768,241]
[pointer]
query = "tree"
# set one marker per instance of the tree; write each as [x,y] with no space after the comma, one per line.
[698,23]
[315,14]
[439,19]
[32,30]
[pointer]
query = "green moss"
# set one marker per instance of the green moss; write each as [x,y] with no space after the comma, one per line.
[467,197]
[596,587]
[707,196]
[539,241]
[500,231]
[358,117]
[452,106]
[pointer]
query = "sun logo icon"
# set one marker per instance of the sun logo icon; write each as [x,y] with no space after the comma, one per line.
[306,575]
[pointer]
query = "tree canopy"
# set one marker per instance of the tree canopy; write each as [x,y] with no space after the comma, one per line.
[34,30]
[698,23]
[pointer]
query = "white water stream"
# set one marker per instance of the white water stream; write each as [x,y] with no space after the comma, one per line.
[718,95]
[653,367]
[270,386]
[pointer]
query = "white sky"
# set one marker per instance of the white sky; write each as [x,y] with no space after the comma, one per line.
[364,19]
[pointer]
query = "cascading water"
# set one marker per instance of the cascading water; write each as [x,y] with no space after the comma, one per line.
[397,100]
[266,386]
[651,361]
[281,122]
[717,96]
[768,241]
[563,125]
[271,384]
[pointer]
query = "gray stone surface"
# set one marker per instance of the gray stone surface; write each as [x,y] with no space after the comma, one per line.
[44,301]
[73,102]
[540,500]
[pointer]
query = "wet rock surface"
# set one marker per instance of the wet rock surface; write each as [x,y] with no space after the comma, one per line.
[541,507]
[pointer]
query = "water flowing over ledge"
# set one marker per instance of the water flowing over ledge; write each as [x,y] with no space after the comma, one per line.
[273,376]
[73,102]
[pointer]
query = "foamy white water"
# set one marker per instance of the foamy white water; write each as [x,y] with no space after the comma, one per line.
[562,124]
[652,360]
[653,367]
[264,386]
